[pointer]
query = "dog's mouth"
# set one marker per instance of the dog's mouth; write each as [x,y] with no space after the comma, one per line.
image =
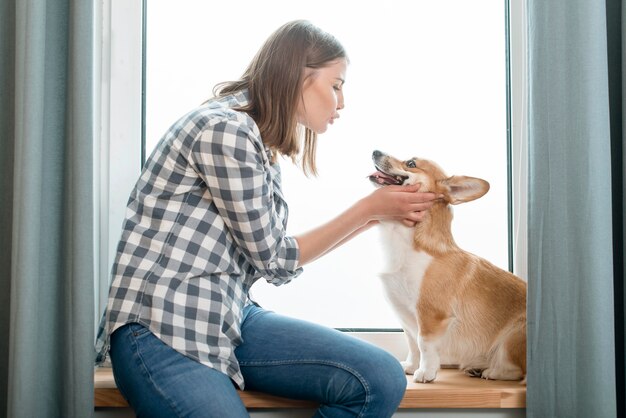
[385,179]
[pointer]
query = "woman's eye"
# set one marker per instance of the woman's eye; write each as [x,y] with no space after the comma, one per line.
[410,164]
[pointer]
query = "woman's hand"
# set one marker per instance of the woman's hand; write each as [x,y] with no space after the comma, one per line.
[402,203]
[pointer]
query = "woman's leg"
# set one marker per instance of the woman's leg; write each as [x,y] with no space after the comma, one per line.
[159,382]
[301,360]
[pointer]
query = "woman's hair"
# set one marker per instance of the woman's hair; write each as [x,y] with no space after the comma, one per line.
[274,81]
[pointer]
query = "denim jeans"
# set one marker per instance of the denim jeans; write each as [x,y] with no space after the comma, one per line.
[279,355]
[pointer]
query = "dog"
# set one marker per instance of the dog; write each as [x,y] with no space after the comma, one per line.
[449,302]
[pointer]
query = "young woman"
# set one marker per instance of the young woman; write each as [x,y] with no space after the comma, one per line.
[207,219]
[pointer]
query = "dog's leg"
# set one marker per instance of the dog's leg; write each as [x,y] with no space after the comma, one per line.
[509,359]
[429,358]
[401,295]
[408,321]
[433,323]
[502,369]
[413,357]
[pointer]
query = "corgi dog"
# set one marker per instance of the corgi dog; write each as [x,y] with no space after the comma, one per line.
[450,303]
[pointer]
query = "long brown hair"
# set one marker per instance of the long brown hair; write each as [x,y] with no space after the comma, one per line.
[274,81]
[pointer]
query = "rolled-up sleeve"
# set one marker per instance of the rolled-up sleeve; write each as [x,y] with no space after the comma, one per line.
[231,160]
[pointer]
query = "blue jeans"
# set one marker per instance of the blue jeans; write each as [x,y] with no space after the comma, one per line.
[281,356]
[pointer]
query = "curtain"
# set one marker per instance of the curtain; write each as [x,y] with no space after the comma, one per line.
[46,209]
[575,213]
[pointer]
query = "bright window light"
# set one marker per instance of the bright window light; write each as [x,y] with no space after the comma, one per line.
[425,79]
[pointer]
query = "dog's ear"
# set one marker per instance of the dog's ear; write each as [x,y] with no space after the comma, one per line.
[460,189]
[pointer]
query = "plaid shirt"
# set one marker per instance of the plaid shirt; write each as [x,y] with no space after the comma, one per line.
[205,220]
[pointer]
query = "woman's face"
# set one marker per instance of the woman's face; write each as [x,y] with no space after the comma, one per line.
[322,96]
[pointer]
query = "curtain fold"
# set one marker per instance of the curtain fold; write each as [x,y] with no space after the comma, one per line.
[46,282]
[7,123]
[616,43]
[575,219]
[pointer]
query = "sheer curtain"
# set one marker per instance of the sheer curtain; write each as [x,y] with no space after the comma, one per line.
[575,220]
[46,220]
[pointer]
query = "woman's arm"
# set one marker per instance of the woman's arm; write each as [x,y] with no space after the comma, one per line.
[402,203]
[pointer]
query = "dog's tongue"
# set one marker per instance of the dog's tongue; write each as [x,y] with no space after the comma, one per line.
[383,179]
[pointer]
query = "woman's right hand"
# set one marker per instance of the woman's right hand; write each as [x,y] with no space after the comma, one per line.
[401,203]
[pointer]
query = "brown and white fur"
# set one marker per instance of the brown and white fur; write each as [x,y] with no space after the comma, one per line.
[449,302]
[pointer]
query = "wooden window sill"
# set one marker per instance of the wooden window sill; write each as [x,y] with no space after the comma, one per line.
[452,389]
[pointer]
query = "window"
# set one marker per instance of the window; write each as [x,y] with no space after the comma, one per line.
[425,79]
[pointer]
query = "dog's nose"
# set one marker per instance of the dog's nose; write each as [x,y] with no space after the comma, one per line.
[377,154]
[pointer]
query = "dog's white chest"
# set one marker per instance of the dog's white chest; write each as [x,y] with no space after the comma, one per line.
[405,267]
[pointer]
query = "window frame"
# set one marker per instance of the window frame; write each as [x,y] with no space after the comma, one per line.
[120,111]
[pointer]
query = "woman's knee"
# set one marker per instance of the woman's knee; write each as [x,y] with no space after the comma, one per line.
[386,378]
[371,384]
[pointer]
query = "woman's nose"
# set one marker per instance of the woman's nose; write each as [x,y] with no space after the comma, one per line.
[340,103]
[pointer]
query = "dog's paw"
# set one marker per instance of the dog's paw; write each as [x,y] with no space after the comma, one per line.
[424,375]
[409,367]
[502,374]
[473,372]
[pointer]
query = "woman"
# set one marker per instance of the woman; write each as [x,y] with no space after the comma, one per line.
[207,219]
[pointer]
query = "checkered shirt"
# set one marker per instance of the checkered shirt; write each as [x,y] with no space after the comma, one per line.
[205,220]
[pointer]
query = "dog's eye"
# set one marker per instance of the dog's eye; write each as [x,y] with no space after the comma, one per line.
[410,164]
